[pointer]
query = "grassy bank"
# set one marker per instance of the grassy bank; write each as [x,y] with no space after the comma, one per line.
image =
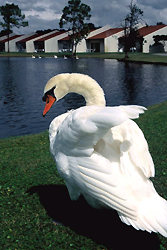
[32,195]
[133,57]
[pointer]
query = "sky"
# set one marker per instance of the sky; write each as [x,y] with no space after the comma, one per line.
[45,14]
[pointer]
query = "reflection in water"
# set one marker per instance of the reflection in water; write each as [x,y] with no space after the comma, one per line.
[12,101]
[22,81]
[130,85]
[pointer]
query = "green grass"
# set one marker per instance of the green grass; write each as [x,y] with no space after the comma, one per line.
[133,57]
[147,58]
[26,218]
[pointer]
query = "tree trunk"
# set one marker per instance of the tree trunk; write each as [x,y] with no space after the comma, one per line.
[8,31]
[74,49]
[125,41]
[8,42]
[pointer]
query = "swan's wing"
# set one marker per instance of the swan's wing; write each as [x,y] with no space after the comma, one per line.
[103,155]
[83,127]
[126,143]
[137,153]
[101,184]
[84,130]
[93,148]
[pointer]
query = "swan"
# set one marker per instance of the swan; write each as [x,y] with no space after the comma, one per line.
[103,155]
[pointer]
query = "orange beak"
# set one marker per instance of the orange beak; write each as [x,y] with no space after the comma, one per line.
[49,102]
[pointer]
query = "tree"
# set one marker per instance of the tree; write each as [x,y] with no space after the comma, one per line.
[160,23]
[160,40]
[74,16]
[12,17]
[131,34]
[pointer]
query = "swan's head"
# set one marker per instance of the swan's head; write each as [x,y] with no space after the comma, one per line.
[55,89]
[60,85]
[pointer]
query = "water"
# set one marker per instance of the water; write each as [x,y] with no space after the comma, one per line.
[22,81]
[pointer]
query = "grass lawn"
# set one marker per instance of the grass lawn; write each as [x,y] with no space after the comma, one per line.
[133,57]
[32,195]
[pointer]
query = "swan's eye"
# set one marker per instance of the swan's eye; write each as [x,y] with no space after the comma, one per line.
[50,92]
[44,98]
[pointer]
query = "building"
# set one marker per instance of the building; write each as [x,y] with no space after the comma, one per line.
[145,42]
[13,42]
[85,45]
[22,44]
[50,43]
[148,33]
[4,40]
[105,41]
[32,45]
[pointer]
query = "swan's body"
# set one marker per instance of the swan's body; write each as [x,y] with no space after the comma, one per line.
[103,155]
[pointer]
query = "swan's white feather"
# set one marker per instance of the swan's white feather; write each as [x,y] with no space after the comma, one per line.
[90,123]
[103,155]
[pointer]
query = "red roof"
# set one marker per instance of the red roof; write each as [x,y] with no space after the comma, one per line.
[106,33]
[29,38]
[10,38]
[144,31]
[49,36]
[66,38]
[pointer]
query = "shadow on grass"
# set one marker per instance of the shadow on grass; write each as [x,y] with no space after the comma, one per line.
[103,226]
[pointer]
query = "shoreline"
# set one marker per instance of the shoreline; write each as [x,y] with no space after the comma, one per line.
[133,57]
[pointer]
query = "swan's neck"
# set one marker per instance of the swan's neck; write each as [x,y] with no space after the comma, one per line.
[88,88]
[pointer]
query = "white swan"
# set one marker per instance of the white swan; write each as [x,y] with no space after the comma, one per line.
[103,155]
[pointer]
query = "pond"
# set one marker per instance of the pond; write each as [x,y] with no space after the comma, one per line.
[22,81]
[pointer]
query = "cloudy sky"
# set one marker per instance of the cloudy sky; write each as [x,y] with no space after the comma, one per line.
[45,14]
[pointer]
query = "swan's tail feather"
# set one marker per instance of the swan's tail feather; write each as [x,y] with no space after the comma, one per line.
[133,111]
[152,216]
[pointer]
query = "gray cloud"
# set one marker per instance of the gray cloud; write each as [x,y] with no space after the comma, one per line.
[154,4]
[45,14]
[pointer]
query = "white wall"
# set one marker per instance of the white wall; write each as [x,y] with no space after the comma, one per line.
[81,47]
[30,48]
[111,42]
